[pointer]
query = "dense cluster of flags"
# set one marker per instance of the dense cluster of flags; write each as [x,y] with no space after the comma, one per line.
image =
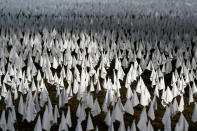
[74,54]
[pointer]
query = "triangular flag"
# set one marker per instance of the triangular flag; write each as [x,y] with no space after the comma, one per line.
[90,125]
[38,126]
